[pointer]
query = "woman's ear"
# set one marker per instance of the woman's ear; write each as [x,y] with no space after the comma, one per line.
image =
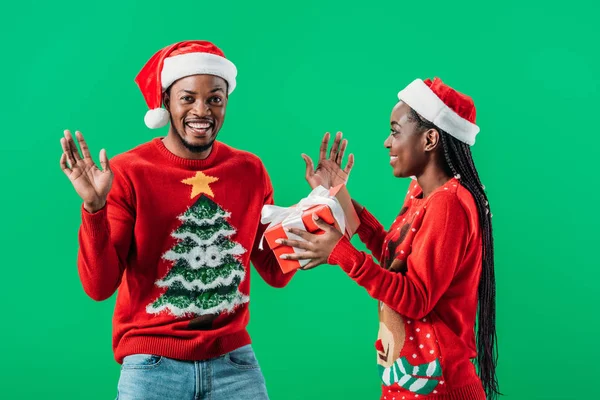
[432,139]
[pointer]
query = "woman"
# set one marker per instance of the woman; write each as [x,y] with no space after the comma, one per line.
[435,265]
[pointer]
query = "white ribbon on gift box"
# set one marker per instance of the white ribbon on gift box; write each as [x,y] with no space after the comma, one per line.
[291,217]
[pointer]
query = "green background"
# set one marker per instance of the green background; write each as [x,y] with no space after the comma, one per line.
[305,68]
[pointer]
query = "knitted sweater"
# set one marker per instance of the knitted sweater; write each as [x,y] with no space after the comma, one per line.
[426,284]
[176,239]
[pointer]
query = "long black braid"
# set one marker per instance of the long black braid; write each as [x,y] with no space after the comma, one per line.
[459,163]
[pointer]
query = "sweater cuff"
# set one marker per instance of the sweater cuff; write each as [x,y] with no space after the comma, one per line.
[95,224]
[368,223]
[345,255]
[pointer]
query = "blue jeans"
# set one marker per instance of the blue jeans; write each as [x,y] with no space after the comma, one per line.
[235,375]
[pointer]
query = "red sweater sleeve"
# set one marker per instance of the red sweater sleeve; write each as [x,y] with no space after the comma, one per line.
[371,233]
[265,261]
[104,241]
[437,250]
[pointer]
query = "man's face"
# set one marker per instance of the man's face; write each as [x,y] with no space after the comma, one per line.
[197,105]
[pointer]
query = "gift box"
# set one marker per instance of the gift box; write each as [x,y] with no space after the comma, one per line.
[332,206]
[308,224]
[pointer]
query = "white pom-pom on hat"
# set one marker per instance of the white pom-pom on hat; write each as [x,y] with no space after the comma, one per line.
[156,118]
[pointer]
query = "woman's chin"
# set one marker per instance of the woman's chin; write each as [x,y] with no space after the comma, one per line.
[397,173]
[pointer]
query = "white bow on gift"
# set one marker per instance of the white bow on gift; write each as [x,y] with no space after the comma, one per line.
[291,217]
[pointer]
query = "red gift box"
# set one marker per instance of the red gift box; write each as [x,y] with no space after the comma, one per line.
[277,231]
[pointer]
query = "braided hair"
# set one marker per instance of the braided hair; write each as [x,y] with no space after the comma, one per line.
[459,163]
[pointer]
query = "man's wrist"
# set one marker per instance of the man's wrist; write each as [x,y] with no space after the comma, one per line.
[93,208]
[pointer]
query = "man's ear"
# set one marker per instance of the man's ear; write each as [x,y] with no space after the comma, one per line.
[167,100]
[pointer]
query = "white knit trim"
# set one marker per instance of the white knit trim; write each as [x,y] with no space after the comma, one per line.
[183,65]
[193,309]
[197,284]
[207,242]
[208,221]
[191,255]
[424,101]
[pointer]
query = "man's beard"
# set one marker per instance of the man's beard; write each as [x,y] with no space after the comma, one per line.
[196,149]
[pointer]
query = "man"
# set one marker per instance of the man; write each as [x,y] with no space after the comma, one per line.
[174,224]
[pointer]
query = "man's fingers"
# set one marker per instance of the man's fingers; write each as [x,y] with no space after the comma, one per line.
[63,165]
[71,145]
[67,152]
[104,161]
[83,145]
[350,164]
[336,145]
[340,155]
[310,166]
[323,149]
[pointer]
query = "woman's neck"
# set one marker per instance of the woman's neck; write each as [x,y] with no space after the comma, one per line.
[431,179]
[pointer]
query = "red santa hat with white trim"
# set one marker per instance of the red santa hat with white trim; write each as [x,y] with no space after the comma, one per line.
[191,57]
[443,106]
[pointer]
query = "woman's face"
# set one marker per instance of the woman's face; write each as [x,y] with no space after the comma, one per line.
[407,145]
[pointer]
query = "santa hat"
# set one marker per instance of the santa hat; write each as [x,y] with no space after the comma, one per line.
[443,106]
[177,61]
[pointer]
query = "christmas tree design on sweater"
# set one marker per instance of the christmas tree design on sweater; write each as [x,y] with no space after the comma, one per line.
[206,272]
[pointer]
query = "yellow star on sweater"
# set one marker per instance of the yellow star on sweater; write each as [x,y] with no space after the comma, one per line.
[200,184]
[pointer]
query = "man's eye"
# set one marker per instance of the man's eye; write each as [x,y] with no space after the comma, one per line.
[187,98]
[217,99]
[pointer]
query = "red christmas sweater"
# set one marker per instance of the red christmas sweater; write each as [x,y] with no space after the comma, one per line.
[426,284]
[176,239]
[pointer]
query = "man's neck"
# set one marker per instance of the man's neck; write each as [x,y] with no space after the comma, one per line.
[174,145]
